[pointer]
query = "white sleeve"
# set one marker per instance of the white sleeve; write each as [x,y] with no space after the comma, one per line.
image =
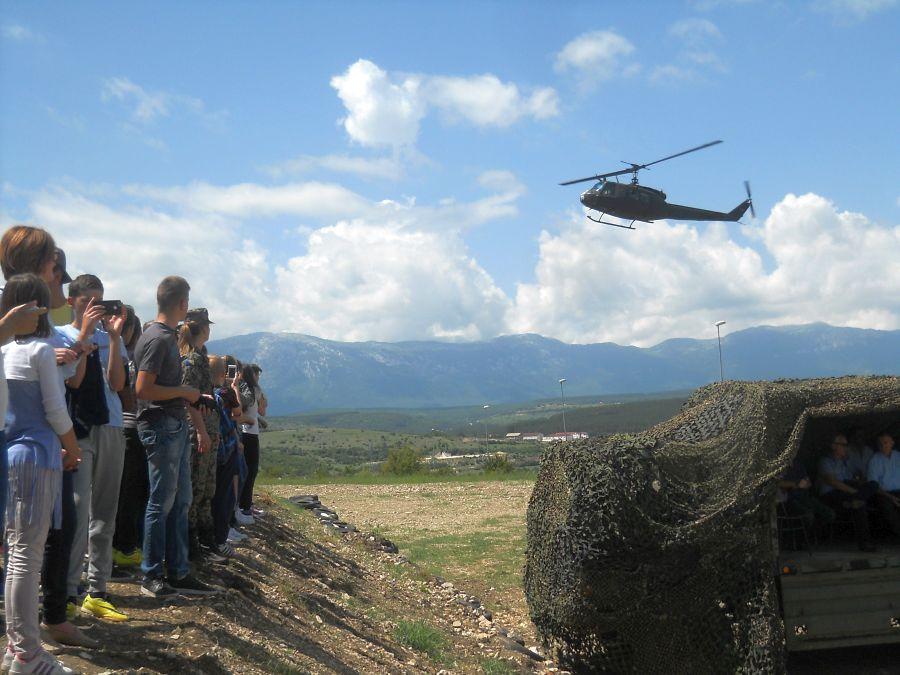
[54,400]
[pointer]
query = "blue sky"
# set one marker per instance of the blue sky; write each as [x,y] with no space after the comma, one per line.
[223,123]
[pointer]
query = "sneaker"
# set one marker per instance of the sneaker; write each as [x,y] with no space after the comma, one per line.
[213,556]
[226,550]
[99,607]
[256,513]
[42,664]
[157,588]
[243,518]
[235,537]
[67,634]
[8,657]
[190,585]
[132,559]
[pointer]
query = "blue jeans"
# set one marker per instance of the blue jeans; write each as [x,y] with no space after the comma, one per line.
[166,519]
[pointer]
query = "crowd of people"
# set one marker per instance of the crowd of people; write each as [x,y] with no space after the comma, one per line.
[123,445]
[851,477]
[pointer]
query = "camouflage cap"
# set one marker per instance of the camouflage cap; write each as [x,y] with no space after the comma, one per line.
[198,315]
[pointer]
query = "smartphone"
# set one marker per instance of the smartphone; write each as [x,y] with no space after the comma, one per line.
[112,307]
[232,371]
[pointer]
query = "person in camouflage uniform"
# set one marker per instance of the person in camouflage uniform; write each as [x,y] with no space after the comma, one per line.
[192,338]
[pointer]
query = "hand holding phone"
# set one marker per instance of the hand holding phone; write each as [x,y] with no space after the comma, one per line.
[232,371]
[111,307]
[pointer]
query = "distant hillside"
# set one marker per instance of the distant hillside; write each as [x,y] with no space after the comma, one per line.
[304,373]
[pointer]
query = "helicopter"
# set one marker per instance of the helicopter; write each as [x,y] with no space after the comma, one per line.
[637,202]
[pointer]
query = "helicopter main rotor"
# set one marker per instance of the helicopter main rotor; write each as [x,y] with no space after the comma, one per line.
[634,168]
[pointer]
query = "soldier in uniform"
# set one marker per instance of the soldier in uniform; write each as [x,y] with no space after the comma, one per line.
[204,430]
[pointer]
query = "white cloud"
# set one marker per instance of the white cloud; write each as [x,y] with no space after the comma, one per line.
[387,270]
[386,111]
[148,106]
[132,248]
[389,168]
[485,101]
[672,279]
[19,33]
[250,199]
[853,10]
[361,280]
[597,56]
[697,56]
[694,31]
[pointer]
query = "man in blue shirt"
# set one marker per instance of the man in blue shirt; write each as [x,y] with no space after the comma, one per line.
[839,490]
[884,469]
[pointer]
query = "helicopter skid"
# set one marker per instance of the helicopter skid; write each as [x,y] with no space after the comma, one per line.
[600,220]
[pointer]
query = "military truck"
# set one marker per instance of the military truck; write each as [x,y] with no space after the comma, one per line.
[654,552]
[831,593]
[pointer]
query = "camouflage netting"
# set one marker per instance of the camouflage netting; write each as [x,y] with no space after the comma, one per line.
[653,553]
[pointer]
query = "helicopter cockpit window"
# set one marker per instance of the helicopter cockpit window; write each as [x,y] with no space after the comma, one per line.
[604,188]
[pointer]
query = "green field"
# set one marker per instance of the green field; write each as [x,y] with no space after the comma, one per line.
[329,446]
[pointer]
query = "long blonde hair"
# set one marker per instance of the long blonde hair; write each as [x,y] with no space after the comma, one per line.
[188,335]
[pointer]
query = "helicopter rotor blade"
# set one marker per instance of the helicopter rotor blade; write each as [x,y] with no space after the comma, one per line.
[599,176]
[677,154]
[750,197]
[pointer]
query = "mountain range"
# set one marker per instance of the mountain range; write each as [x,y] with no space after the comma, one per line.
[304,373]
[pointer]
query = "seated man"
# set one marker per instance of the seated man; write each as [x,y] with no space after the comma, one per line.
[839,490]
[858,454]
[884,469]
[794,493]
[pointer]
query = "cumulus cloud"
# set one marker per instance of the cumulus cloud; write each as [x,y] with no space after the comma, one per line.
[131,248]
[361,280]
[385,110]
[592,284]
[376,270]
[597,56]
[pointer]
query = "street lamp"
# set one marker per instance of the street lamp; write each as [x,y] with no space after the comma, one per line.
[562,391]
[719,325]
[485,430]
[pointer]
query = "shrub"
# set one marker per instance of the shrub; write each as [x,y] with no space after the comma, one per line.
[402,461]
[498,463]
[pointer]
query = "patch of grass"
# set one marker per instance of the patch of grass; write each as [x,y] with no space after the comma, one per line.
[423,638]
[497,667]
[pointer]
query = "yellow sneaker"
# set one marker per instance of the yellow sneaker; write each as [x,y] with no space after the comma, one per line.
[101,608]
[71,608]
[132,559]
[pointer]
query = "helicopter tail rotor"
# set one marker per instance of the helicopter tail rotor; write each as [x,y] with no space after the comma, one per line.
[749,198]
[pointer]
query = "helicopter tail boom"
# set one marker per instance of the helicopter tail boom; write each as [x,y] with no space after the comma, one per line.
[739,210]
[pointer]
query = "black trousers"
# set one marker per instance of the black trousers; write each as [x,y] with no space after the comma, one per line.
[55,572]
[251,455]
[860,517]
[133,494]
[890,512]
[223,500]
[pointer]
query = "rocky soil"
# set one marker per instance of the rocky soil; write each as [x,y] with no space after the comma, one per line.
[304,598]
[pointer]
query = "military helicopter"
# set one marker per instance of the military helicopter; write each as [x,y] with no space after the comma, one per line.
[637,202]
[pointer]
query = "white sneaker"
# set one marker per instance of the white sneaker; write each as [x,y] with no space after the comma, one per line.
[8,657]
[243,518]
[235,537]
[42,664]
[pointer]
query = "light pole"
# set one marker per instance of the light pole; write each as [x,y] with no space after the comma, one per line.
[719,325]
[562,391]
[485,430]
